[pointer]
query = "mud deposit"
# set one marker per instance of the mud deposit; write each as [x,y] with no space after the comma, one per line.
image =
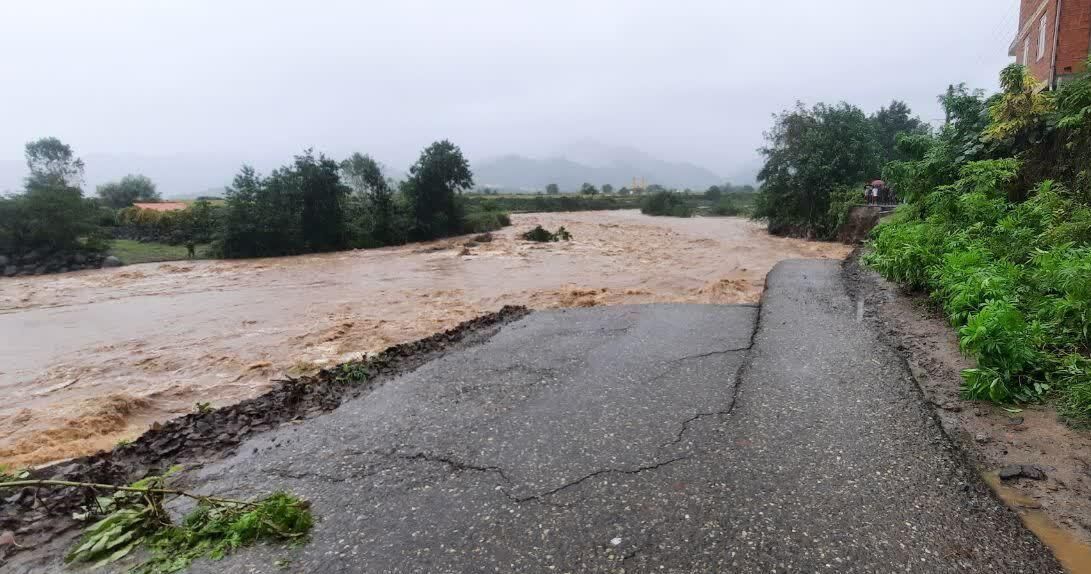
[1055,508]
[93,357]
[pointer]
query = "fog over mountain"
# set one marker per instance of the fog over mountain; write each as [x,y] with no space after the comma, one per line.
[188,176]
[591,162]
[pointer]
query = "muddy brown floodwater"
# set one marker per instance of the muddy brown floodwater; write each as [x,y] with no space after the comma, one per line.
[95,357]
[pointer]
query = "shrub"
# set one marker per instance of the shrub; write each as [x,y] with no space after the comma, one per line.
[726,206]
[483,216]
[543,235]
[665,203]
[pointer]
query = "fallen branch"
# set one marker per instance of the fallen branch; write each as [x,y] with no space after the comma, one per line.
[149,490]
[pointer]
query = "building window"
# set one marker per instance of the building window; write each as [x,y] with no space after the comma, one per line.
[1026,51]
[1042,37]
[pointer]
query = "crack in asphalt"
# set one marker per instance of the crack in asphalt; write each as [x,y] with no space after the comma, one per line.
[578,481]
[457,465]
[739,377]
[712,353]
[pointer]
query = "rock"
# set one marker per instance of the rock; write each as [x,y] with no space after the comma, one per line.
[40,270]
[79,258]
[1014,471]
[10,271]
[111,261]
[30,257]
[1033,472]
[1011,471]
[7,538]
[982,438]
[4,260]
[1014,421]
[483,238]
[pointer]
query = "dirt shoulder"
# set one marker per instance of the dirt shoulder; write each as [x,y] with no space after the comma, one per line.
[992,437]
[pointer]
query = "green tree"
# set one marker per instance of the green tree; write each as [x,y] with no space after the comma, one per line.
[242,229]
[809,153]
[51,214]
[607,189]
[131,188]
[892,121]
[713,193]
[552,189]
[588,189]
[374,213]
[435,179]
[52,162]
[321,192]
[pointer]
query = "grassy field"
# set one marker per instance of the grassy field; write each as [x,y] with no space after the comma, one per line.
[132,252]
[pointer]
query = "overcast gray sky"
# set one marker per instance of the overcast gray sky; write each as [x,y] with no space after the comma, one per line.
[685,80]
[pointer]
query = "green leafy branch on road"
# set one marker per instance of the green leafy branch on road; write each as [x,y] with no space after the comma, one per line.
[134,516]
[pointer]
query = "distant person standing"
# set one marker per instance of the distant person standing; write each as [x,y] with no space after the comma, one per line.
[876,188]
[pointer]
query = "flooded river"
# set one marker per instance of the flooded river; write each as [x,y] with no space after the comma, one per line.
[95,357]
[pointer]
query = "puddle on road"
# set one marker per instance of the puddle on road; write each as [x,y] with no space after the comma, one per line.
[1073,553]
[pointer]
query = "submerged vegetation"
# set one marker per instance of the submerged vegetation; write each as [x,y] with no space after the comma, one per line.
[997,229]
[543,235]
[666,203]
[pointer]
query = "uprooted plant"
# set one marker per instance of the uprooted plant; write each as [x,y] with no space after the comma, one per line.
[134,517]
[543,235]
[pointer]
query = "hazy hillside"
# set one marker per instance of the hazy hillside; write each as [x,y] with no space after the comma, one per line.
[590,162]
[187,176]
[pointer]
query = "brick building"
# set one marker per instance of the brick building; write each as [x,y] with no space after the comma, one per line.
[1053,39]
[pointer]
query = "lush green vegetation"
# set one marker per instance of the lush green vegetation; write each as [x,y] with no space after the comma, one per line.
[813,155]
[666,203]
[51,214]
[313,204]
[316,204]
[997,230]
[131,252]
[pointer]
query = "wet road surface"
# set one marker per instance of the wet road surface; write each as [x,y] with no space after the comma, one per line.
[666,438]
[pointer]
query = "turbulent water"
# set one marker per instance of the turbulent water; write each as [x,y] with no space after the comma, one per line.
[94,357]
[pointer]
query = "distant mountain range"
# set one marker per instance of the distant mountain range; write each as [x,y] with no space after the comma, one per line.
[591,163]
[188,176]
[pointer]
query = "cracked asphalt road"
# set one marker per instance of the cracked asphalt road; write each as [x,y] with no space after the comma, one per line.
[666,438]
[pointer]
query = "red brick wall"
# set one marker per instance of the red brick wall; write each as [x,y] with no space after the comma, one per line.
[1074,31]
[1028,14]
[1075,36]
